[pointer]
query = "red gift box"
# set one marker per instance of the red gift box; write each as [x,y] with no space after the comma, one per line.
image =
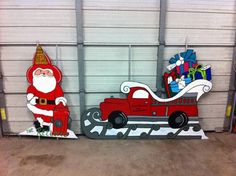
[184,68]
[173,75]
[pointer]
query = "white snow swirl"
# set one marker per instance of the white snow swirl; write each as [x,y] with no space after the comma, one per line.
[206,88]
[96,114]
[126,89]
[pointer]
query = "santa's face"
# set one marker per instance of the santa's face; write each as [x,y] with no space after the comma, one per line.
[44,80]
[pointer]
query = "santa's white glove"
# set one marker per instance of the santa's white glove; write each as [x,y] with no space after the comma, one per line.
[61,100]
[29,96]
[33,100]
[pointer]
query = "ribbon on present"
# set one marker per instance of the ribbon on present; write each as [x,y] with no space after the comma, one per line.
[178,62]
[177,85]
[167,79]
[198,69]
[188,56]
[181,82]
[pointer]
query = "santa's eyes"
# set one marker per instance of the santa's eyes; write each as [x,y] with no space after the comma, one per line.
[49,73]
[43,72]
[38,72]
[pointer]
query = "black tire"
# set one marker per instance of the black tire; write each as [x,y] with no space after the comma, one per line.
[178,119]
[117,119]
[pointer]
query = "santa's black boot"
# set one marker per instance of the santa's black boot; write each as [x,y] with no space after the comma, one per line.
[37,125]
[45,128]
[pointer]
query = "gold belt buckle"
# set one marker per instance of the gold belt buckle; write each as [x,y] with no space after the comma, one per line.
[42,101]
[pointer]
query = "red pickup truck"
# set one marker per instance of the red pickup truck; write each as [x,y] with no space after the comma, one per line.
[140,102]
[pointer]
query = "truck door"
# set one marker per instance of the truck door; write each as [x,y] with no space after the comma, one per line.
[140,103]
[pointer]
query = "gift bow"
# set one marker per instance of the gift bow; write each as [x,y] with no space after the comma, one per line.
[178,80]
[178,59]
[179,62]
[181,82]
[192,71]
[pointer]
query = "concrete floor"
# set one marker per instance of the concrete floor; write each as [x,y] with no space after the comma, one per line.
[29,156]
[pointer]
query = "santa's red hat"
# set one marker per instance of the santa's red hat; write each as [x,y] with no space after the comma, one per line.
[41,60]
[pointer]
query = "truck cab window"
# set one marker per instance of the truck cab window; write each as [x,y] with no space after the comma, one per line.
[140,94]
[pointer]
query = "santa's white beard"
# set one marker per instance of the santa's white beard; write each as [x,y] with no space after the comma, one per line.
[44,84]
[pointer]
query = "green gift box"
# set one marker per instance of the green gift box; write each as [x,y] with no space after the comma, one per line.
[197,73]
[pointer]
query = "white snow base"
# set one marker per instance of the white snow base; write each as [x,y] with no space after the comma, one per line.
[33,132]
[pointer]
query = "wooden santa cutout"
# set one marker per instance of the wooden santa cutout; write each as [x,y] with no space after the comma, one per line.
[45,99]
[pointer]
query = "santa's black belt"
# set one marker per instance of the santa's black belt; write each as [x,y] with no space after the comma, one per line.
[44,101]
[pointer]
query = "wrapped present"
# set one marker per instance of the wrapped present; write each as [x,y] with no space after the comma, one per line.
[190,57]
[182,66]
[167,79]
[200,72]
[185,74]
[183,61]
[207,69]
[179,84]
[197,73]
[174,87]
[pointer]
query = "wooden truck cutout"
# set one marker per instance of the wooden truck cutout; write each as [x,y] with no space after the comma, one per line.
[142,113]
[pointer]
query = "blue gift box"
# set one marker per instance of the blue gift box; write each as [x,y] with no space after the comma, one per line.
[185,74]
[175,87]
[198,75]
[200,72]
[188,81]
[207,69]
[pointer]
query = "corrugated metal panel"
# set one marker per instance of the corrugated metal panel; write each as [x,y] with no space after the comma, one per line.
[25,53]
[33,34]
[219,6]
[120,19]
[200,37]
[184,20]
[41,18]
[37,4]
[120,36]
[122,5]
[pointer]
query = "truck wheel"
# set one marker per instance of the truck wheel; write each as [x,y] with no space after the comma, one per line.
[178,119]
[117,119]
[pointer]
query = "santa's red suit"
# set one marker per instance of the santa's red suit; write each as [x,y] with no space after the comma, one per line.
[44,92]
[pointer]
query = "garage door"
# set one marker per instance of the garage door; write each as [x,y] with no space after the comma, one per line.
[114,31]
